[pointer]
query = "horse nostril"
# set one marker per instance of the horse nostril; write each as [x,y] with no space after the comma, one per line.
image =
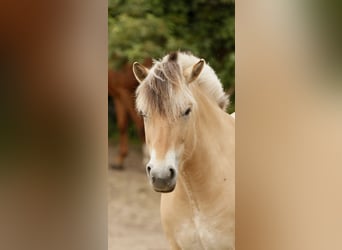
[172,173]
[148,169]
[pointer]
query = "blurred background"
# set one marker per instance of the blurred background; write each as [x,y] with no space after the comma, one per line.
[140,30]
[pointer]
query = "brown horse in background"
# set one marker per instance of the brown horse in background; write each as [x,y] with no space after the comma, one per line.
[121,87]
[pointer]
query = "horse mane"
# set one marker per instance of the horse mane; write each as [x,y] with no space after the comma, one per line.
[207,80]
[163,90]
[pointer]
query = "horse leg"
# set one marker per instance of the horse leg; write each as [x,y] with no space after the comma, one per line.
[139,124]
[141,132]
[122,120]
[128,100]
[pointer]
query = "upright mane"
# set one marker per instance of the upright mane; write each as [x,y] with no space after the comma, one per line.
[165,89]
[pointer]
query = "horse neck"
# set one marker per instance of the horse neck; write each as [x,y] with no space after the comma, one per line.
[200,172]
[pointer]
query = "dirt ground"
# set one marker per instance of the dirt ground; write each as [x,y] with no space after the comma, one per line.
[133,207]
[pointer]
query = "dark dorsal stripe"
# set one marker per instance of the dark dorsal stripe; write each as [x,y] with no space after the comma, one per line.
[173,56]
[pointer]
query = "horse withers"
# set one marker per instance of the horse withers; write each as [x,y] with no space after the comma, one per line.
[192,146]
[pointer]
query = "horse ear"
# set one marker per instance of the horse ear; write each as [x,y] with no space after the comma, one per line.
[196,70]
[140,72]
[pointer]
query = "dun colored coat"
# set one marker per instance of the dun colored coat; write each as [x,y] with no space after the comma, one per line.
[192,146]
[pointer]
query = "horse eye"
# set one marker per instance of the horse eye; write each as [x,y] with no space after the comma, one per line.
[187,112]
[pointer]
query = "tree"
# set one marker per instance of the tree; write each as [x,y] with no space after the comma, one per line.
[151,28]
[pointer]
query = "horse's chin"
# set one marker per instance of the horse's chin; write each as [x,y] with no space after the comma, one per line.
[167,190]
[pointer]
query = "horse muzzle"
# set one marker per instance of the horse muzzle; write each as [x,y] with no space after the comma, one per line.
[162,179]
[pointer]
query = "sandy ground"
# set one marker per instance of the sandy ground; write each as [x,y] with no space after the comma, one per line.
[133,207]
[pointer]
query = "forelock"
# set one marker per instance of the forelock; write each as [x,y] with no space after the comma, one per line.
[164,90]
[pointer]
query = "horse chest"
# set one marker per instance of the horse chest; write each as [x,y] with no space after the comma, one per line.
[202,234]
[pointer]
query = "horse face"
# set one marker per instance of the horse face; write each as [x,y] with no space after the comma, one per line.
[165,100]
[166,141]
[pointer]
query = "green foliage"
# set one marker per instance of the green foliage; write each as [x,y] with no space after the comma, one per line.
[138,29]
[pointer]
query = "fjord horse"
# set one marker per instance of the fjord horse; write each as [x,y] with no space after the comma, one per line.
[192,144]
[121,86]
